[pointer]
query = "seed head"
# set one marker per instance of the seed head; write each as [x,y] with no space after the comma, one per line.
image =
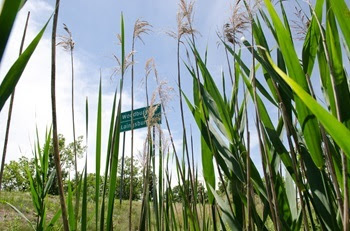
[66,41]
[238,23]
[301,25]
[141,27]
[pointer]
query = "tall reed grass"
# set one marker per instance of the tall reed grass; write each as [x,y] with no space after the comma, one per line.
[303,182]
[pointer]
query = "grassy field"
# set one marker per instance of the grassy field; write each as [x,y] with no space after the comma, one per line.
[11,220]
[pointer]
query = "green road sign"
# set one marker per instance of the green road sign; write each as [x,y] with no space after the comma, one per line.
[140,117]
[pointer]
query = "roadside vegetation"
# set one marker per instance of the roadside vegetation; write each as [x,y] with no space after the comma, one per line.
[303,181]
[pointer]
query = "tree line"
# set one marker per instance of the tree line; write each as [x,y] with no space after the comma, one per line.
[15,174]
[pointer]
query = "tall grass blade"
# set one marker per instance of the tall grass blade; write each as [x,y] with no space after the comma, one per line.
[21,214]
[71,216]
[337,130]
[309,124]
[86,119]
[84,201]
[33,191]
[122,172]
[108,159]
[271,131]
[14,74]
[312,39]
[227,216]
[83,180]
[98,151]
[49,182]
[7,132]
[342,13]
[54,220]
[322,200]
[46,153]
[335,62]
[115,139]
[8,15]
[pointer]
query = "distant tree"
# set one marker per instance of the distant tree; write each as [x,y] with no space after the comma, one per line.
[15,176]
[91,185]
[137,180]
[67,159]
[177,196]
[221,189]
[179,189]
[227,183]
[152,182]
[11,175]
[202,194]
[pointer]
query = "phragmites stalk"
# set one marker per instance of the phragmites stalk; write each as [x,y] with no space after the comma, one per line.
[68,44]
[140,27]
[54,119]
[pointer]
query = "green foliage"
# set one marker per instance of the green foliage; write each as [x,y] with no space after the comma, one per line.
[314,143]
[137,180]
[178,190]
[10,220]
[39,182]
[67,159]
[91,182]
[15,173]
[15,176]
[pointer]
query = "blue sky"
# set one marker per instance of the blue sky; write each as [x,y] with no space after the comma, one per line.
[94,25]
